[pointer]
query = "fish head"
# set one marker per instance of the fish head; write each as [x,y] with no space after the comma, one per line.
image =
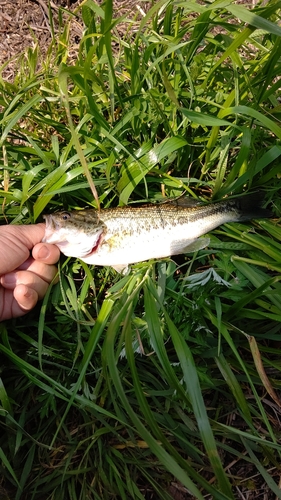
[77,233]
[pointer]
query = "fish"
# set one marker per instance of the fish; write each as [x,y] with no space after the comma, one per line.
[121,236]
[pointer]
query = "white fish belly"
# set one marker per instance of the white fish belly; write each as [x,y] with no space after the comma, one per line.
[122,249]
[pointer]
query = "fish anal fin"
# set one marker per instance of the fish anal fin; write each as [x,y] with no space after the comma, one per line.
[196,245]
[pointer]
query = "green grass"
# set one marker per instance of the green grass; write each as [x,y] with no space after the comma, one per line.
[164,381]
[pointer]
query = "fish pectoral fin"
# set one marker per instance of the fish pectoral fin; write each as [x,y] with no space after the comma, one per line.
[196,245]
[121,268]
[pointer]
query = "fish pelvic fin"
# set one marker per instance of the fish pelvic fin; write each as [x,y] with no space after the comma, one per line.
[121,268]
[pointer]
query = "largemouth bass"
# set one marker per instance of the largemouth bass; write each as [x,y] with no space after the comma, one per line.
[121,236]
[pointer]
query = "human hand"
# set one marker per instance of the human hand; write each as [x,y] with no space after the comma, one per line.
[24,279]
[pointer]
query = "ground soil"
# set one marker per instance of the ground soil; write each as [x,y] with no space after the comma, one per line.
[25,23]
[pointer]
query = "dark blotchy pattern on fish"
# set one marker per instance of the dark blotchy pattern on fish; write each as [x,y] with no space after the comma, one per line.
[125,235]
[178,211]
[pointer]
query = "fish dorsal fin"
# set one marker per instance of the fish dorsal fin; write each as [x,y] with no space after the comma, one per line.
[180,201]
[185,202]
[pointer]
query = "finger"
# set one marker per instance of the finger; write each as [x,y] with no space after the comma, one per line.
[13,306]
[28,235]
[43,271]
[16,243]
[29,279]
[25,299]
[44,252]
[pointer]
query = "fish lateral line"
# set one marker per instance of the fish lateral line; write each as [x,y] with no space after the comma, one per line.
[121,236]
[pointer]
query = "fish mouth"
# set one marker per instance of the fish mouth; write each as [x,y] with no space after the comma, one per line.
[51,224]
[51,230]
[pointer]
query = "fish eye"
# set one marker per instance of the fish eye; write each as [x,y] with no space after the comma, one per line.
[65,215]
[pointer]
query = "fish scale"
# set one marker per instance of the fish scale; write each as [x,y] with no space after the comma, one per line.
[121,236]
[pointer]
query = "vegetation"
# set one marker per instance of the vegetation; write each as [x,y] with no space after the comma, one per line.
[162,383]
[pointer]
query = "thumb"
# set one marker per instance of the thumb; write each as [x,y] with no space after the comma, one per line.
[29,235]
[16,243]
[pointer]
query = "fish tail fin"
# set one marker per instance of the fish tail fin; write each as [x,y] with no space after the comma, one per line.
[249,207]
